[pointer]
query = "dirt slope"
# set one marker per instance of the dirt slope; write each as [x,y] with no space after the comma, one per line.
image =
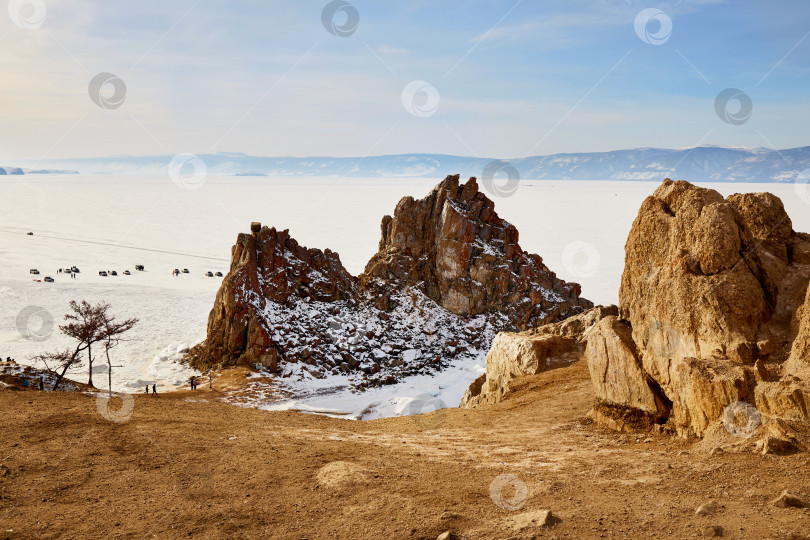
[186,465]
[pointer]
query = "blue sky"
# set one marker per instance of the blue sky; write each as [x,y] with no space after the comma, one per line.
[512,78]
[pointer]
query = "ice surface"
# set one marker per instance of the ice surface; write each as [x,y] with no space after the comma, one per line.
[115,222]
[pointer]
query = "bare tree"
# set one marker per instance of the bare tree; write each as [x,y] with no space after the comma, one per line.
[88,325]
[85,325]
[112,335]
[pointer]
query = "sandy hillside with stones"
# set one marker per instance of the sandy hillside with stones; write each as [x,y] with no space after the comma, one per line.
[710,339]
[533,466]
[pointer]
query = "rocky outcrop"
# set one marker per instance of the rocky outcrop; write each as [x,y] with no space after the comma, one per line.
[530,352]
[712,334]
[267,266]
[458,250]
[448,277]
[708,312]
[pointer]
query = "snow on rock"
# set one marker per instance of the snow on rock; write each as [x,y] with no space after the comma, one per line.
[448,276]
[12,375]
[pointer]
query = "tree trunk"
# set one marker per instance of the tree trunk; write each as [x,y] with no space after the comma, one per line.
[60,377]
[109,368]
[90,369]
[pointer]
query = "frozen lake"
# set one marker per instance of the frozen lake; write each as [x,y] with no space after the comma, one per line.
[115,222]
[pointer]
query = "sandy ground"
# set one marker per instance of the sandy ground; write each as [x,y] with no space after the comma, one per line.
[186,465]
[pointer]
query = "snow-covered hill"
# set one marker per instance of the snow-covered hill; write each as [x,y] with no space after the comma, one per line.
[698,164]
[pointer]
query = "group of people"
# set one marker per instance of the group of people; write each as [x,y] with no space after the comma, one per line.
[194,385]
[26,383]
[192,381]
[71,272]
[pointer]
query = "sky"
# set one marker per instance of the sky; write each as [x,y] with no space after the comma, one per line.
[498,79]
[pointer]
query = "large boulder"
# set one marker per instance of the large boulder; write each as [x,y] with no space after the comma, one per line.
[692,274]
[530,352]
[617,374]
[454,245]
[709,292]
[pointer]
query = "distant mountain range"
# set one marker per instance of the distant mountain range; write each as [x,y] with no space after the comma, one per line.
[702,163]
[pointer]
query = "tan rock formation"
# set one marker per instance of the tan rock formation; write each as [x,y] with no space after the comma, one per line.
[790,396]
[528,353]
[709,289]
[799,361]
[712,336]
[616,370]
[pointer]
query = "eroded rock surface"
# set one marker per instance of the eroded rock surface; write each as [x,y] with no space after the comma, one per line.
[712,292]
[454,245]
[712,335]
[530,352]
[267,266]
[448,277]
[617,372]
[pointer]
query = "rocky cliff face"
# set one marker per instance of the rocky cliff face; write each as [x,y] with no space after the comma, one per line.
[449,275]
[268,269]
[466,258]
[712,334]
[712,294]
